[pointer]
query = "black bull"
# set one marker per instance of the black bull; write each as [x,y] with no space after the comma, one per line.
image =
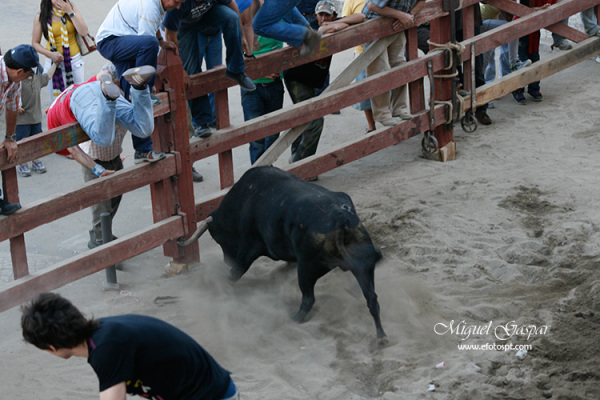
[273,213]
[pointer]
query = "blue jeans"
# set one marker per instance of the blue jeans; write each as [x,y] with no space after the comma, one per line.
[127,52]
[590,22]
[193,48]
[97,115]
[489,57]
[25,131]
[306,144]
[524,54]
[267,22]
[265,99]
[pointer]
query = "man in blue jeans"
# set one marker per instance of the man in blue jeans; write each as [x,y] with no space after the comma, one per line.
[267,97]
[186,27]
[281,20]
[129,37]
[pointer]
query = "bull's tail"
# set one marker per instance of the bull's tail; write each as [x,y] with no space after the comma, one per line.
[202,227]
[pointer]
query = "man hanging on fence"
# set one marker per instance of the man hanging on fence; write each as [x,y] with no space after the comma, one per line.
[185,26]
[129,37]
[130,354]
[15,66]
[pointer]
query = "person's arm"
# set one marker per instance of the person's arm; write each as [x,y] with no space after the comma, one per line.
[168,43]
[418,7]
[11,125]
[116,392]
[401,17]
[84,159]
[36,42]
[233,5]
[247,30]
[172,37]
[69,8]
[342,23]
[52,70]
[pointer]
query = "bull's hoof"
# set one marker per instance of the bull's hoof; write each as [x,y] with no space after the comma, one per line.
[299,317]
[382,341]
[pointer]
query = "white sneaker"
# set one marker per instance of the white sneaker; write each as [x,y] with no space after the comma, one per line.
[37,166]
[23,170]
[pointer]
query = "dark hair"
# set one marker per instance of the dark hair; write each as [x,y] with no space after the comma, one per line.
[45,15]
[51,320]
[12,64]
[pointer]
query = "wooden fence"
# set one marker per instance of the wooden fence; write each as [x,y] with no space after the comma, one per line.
[175,209]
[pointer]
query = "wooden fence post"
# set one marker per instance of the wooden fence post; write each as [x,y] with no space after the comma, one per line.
[440,33]
[175,195]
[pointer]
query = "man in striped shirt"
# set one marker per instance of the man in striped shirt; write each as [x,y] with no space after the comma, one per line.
[15,66]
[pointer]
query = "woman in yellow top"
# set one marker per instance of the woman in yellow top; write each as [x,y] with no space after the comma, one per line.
[58,21]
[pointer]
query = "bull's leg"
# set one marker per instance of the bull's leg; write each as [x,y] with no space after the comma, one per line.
[244,259]
[307,278]
[366,281]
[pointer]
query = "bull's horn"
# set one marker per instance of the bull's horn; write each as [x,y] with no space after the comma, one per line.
[202,227]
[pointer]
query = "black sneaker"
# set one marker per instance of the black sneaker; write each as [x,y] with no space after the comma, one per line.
[197,176]
[7,208]
[536,95]
[519,98]
[202,131]
[242,79]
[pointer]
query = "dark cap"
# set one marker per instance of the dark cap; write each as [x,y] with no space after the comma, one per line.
[325,6]
[26,55]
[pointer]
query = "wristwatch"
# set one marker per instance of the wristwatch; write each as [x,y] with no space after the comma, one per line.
[72,14]
[12,137]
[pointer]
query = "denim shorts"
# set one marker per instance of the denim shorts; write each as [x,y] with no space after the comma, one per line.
[364,105]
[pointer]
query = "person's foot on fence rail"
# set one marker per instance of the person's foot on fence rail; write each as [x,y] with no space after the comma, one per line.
[520,64]
[7,208]
[310,43]
[202,131]
[242,79]
[150,156]
[138,77]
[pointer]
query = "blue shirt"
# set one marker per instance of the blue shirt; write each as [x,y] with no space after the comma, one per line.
[400,5]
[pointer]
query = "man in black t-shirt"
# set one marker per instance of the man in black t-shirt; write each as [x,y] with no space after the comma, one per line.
[133,354]
[302,82]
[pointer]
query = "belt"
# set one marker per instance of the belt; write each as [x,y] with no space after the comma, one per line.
[268,84]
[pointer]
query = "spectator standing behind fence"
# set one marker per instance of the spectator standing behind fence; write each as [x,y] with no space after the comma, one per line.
[529,49]
[129,37]
[267,97]
[15,66]
[388,109]
[58,22]
[281,20]
[186,26]
[130,354]
[356,7]
[29,121]
[302,82]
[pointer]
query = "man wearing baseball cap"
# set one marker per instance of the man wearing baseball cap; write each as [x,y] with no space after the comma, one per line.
[15,66]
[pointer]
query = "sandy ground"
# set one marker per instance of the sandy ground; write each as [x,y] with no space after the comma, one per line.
[507,234]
